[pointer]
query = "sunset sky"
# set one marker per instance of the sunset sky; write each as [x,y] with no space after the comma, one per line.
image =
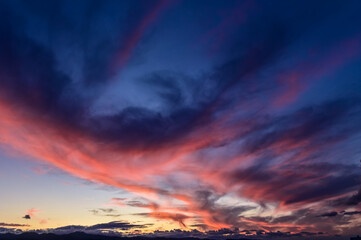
[210,117]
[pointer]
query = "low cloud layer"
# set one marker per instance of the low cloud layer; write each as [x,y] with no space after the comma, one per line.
[114,226]
[10,225]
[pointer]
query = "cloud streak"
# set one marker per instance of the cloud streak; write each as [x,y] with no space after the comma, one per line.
[13,225]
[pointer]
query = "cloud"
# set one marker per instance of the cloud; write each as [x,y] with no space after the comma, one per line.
[43,221]
[117,202]
[13,225]
[140,204]
[354,199]
[31,213]
[308,123]
[70,228]
[352,213]
[106,212]
[188,143]
[127,48]
[330,214]
[177,217]
[283,184]
[114,225]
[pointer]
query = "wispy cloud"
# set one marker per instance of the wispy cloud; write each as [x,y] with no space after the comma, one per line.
[13,225]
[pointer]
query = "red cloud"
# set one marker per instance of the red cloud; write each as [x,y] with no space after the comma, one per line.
[127,48]
[32,212]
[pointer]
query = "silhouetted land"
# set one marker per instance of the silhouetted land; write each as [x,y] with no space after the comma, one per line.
[82,236]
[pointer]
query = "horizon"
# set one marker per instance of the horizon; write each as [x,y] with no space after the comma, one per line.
[181,118]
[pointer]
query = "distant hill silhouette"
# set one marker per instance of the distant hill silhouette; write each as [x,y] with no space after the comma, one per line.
[82,236]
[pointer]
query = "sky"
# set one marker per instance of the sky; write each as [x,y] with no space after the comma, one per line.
[203,118]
